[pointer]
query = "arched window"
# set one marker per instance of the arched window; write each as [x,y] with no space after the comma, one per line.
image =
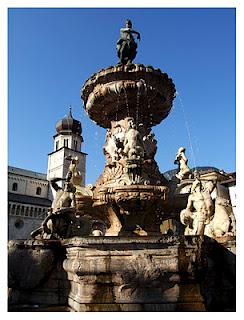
[38,190]
[75,145]
[14,186]
[57,145]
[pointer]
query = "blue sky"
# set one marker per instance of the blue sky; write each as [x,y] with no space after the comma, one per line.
[53,51]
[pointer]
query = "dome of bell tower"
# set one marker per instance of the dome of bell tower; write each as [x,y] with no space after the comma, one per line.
[69,125]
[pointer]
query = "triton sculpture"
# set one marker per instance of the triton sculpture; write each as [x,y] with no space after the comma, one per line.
[206,212]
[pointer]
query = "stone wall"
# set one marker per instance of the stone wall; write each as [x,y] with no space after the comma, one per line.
[28,185]
[23,219]
[21,227]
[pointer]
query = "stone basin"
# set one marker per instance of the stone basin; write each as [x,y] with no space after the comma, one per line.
[137,91]
[134,209]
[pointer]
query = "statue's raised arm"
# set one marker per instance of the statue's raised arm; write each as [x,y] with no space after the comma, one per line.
[126,45]
[137,33]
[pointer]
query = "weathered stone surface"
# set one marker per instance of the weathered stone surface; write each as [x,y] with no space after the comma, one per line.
[130,274]
[189,273]
[118,92]
[36,276]
[39,261]
[133,209]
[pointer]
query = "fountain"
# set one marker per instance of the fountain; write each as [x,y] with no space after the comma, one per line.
[103,243]
[128,100]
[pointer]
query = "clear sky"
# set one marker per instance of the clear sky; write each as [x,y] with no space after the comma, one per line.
[53,51]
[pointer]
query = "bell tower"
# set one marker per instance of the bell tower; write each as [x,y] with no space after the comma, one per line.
[67,142]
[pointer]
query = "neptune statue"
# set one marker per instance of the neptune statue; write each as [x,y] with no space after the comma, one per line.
[126,45]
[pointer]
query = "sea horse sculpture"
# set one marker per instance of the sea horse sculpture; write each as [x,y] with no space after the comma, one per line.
[126,45]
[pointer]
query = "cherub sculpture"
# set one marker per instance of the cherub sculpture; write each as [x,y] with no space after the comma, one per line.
[182,161]
[133,144]
[150,145]
[111,149]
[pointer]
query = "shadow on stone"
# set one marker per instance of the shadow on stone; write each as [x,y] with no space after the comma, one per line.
[36,280]
[219,278]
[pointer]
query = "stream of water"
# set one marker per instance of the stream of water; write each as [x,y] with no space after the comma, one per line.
[187,128]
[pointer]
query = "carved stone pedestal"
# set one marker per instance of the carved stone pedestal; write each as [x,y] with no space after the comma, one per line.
[187,273]
[140,274]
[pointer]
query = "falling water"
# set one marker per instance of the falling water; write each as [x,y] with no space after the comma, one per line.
[148,104]
[137,102]
[126,102]
[187,129]
[117,108]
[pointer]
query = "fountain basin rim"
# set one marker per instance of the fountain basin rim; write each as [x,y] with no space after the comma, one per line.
[143,93]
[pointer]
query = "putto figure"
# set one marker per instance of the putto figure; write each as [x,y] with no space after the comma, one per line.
[182,161]
[133,144]
[126,45]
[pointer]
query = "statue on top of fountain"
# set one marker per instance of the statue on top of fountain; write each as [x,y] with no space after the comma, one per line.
[126,45]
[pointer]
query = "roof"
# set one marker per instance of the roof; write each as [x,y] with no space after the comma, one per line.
[27,173]
[68,125]
[68,149]
[21,198]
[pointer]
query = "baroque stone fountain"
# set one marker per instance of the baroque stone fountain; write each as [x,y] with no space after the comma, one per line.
[129,100]
[100,248]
